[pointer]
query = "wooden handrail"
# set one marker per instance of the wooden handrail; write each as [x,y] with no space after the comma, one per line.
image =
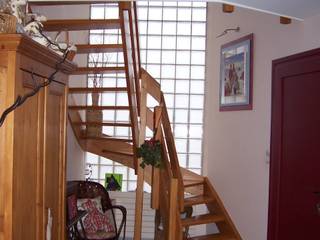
[128,15]
[167,181]
[137,97]
[174,161]
[133,86]
[136,49]
[154,88]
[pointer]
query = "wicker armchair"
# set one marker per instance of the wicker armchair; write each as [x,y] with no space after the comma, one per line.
[88,189]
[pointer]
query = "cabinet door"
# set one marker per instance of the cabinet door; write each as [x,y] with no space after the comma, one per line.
[27,159]
[5,161]
[54,161]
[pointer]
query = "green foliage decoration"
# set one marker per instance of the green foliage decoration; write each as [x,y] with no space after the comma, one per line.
[150,152]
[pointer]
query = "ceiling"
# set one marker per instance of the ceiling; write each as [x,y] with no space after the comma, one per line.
[298,9]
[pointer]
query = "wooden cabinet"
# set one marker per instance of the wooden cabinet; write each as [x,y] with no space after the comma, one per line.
[32,141]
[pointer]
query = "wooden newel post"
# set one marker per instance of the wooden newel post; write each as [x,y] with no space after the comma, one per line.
[140,171]
[173,208]
[155,194]
[156,171]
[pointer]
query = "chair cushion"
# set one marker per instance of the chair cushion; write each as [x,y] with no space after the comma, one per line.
[96,221]
[99,235]
[72,206]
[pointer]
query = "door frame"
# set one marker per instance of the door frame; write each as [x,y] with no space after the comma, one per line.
[307,62]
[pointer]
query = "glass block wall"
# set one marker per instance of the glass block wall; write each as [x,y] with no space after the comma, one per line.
[173,47]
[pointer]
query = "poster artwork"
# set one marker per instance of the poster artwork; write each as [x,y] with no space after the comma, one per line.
[234,84]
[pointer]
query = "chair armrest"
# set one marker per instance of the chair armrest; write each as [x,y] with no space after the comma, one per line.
[73,232]
[77,218]
[124,219]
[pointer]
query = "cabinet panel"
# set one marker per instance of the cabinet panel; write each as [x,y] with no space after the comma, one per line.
[26,153]
[55,155]
[32,141]
[3,77]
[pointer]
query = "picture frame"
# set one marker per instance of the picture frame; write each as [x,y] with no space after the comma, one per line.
[236,75]
[113,181]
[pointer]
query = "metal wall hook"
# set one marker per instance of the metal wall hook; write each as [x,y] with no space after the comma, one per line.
[226,31]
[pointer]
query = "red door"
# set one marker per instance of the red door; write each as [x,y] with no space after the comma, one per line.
[294,204]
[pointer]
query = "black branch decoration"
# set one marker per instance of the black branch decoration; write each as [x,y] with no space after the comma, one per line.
[21,99]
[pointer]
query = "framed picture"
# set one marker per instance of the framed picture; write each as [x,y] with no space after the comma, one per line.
[236,64]
[113,181]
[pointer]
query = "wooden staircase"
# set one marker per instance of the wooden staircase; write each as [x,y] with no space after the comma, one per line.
[178,188]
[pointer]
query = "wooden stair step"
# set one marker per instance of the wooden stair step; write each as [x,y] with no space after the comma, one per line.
[97,70]
[108,139]
[110,124]
[98,107]
[202,219]
[197,200]
[98,48]
[80,24]
[193,184]
[97,90]
[115,152]
[217,236]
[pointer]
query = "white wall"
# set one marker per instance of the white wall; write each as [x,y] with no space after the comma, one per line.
[75,157]
[236,143]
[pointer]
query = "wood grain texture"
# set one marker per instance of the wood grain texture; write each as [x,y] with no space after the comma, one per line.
[98,107]
[98,48]
[202,219]
[80,24]
[153,86]
[7,144]
[3,95]
[109,139]
[173,208]
[104,123]
[25,157]
[33,50]
[197,200]
[136,65]
[126,36]
[32,142]
[98,70]
[55,158]
[227,8]
[139,171]
[97,147]
[97,90]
